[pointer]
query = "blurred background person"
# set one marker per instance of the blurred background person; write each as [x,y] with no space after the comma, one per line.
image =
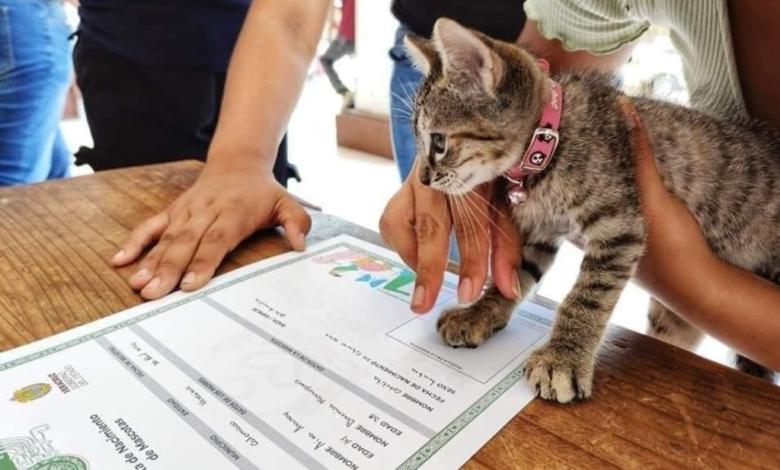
[152,76]
[342,45]
[35,74]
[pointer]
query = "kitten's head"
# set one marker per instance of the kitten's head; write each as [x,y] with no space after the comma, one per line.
[476,109]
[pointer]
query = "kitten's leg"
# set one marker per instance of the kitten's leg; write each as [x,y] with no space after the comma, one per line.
[470,325]
[667,326]
[755,369]
[562,370]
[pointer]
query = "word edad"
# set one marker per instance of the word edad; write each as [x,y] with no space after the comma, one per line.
[356,446]
[385,424]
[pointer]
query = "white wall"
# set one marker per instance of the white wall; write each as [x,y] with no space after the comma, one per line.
[375,33]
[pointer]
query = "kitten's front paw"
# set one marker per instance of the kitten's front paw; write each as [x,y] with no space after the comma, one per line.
[468,326]
[558,374]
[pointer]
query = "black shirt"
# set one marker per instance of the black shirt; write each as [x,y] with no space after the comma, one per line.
[501,19]
[180,33]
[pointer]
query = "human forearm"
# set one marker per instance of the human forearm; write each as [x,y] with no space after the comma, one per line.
[561,59]
[679,269]
[728,303]
[266,74]
[236,193]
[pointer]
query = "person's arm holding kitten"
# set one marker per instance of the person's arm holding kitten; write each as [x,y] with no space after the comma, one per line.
[729,303]
[724,301]
[236,194]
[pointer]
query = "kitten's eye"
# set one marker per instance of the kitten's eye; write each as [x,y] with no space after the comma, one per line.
[439,143]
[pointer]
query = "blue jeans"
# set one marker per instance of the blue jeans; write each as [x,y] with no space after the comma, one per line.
[403,87]
[35,72]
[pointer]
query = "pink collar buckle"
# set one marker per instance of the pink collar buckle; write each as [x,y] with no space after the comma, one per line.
[542,147]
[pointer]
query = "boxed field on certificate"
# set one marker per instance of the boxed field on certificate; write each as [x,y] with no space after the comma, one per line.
[495,355]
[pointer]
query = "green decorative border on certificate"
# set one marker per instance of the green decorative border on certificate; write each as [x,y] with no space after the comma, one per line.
[193,297]
[414,462]
[458,424]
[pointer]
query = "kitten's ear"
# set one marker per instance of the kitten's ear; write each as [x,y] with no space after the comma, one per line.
[420,51]
[462,52]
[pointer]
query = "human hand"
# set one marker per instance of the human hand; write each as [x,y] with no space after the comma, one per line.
[672,231]
[417,223]
[191,237]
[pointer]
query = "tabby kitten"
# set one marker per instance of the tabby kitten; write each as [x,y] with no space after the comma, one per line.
[474,116]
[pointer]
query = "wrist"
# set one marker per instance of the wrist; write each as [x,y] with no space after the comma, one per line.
[235,161]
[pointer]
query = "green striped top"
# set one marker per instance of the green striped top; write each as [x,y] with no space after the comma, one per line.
[699,30]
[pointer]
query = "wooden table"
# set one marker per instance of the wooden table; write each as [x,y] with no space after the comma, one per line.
[655,406]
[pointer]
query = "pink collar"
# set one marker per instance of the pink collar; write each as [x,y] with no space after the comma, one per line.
[542,147]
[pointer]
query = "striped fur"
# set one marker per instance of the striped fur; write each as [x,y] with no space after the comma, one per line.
[487,105]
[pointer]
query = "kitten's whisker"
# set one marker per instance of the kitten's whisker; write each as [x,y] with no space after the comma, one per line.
[489,204]
[489,219]
[459,217]
[410,96]
[485,215]
[468,219]
[469,226]
[469,231]
[404,101]
[404,119]
[403,112]
[475,219]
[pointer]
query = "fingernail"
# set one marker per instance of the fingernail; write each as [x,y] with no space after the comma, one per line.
[119,255]
[464,291]
[515,285]
[154,284]
[190,278]
[141,275]
[419,297]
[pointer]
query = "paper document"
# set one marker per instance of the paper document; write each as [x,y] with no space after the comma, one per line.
[304,361]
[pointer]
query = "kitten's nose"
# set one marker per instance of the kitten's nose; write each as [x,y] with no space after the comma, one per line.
[425,176]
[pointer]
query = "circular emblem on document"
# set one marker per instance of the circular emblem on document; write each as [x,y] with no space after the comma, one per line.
[31,392]
[62,462]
